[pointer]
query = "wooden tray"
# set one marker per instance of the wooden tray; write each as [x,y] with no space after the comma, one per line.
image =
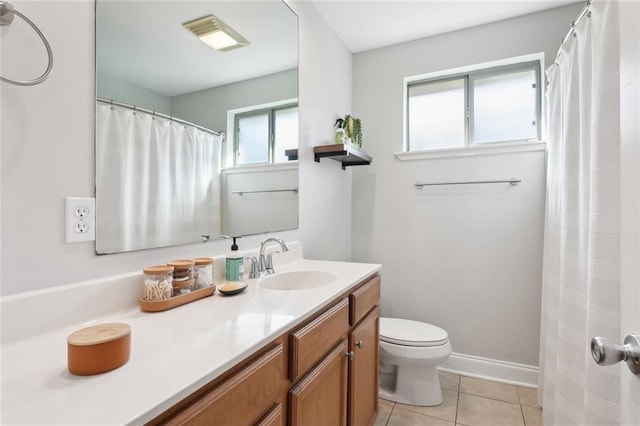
[163,305]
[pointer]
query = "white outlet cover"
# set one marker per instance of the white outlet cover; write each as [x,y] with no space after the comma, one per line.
[79,229]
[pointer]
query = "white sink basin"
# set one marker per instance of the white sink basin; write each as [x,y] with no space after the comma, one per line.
[296,280]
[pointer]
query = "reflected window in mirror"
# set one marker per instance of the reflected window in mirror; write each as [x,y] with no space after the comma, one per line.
[286,133]
[263,135]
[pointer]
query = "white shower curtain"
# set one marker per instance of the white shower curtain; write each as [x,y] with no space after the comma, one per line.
[157,181]
[581,276]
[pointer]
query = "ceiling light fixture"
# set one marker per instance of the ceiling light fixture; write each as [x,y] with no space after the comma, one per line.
[215,33]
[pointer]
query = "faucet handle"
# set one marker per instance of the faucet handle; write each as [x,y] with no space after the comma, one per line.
[255,273]
[269,262]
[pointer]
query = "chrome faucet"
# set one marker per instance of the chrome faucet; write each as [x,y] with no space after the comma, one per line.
[265,266]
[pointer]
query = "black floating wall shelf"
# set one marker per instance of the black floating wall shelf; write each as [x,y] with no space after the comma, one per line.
[344,154]
[292,154]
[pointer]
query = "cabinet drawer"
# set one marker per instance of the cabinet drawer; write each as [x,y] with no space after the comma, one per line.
[241,399]
[310,343]
[363,299]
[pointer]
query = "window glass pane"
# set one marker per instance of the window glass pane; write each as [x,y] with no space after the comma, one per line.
[253,139]
[504,107]
[436,115]
[286,132]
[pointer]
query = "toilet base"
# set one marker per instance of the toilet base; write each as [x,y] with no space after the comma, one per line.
[415,386]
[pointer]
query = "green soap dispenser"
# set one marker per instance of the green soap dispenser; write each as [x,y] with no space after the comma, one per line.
[234,264]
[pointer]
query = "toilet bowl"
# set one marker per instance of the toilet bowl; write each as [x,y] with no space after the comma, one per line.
[410,352]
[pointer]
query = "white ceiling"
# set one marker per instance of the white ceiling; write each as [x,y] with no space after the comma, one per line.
[369,24]
[144,42]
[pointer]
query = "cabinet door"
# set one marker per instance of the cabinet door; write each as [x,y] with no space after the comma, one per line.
[320,398]
[274,417]
[363,371]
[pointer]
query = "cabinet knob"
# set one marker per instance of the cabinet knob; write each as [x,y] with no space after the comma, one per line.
[350,355]
[360,344]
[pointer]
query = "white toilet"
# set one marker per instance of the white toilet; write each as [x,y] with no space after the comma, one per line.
[410,352]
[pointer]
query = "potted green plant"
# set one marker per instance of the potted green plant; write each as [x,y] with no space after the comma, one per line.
[353,130]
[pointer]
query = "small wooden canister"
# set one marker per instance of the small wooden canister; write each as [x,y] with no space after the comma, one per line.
[182,276]
[98,349]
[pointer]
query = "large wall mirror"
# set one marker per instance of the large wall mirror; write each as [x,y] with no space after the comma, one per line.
[194,142]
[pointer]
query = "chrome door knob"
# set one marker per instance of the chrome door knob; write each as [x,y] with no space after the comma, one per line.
[607,353]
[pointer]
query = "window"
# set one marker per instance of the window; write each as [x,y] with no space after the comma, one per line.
[263,135]
[436,115]
[498,104]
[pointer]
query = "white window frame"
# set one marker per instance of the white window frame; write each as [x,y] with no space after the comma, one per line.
[484,148]
[230,141]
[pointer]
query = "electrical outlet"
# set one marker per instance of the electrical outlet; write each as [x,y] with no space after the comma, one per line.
[80,223]
[81,228]
[81,212]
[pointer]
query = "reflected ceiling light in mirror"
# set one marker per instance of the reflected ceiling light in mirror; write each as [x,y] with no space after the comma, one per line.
[215,33]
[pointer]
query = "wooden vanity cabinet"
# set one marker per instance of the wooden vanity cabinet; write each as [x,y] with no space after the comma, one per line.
[324,372]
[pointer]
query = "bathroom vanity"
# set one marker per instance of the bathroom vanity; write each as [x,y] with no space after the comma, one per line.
[267,356]
[321,372]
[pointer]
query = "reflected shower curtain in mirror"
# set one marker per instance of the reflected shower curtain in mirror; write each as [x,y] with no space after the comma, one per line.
[581,273]
[157,181]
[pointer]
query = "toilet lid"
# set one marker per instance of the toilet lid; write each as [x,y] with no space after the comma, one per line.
[411,333]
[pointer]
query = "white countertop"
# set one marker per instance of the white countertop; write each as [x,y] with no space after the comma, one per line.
[173,353]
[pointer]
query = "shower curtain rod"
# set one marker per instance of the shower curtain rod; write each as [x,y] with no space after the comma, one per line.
[157,114]
[572,31]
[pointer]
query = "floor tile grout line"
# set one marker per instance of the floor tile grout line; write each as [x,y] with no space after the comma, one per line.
[493,399]
[393,407]
[455,419]
[524,420]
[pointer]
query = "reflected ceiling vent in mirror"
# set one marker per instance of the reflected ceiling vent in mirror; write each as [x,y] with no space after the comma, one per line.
[215,33]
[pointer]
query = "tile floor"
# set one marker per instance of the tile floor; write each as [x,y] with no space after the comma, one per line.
[469,402]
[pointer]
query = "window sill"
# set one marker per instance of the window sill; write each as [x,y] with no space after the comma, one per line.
[471,151]
[248,168]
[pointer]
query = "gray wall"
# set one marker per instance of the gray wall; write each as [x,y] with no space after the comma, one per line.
[206,108]
[209,108]
[48,151]
[120,90]
[325,94]
[466,258]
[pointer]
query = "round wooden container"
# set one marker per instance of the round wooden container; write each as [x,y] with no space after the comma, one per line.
[98,349]
[182,273]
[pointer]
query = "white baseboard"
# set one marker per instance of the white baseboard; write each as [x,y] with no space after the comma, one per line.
[492,369]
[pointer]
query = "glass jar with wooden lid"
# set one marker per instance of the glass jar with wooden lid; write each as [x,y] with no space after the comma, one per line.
[203,274]
[182,276]
[158,282]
